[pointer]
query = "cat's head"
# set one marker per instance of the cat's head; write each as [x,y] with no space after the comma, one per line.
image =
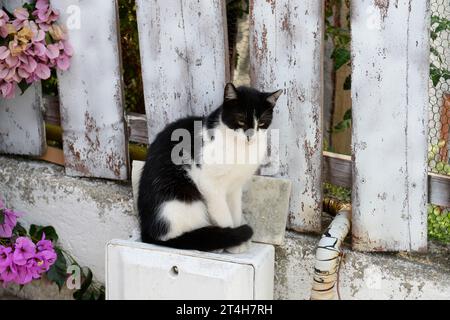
[248,110]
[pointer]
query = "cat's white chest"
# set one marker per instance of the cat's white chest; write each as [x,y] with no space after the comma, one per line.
[229,160]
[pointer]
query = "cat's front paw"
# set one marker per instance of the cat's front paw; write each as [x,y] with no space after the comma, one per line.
[239,249]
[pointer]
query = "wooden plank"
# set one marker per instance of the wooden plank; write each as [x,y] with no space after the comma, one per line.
[286,52]
[337,169]
[21,119]
[54,155]
[52,113]
[390,43]
[439,189]
[445,129]
[94,133]
[184,58]
[22,125]
[138,130]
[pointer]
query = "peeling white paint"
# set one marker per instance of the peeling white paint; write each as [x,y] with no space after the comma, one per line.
[92,116]
[286,42]
[184,54]
[390,101]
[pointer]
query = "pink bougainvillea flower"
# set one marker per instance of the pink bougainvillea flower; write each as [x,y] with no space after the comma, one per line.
[34,266]
[4,53]
[44,244]
[27,54]
[24,275]
[9,274]
[42,71]
[45,14]
[46,259]
[5,257]
[27,67]
[63,62]
[7,91]
[21,15]
[52,51]
[57,32]
[4,19]
[10,216]
[24,249]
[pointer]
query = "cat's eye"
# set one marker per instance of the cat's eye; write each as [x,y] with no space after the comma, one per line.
[261,124]
[240,122]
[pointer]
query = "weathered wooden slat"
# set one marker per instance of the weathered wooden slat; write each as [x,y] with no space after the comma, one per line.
[439,189]
[21,119]
[390,101]
[52,113]
[138,130]
[22,124]
[286,46]
[337,169]
[95,142]
[184,56]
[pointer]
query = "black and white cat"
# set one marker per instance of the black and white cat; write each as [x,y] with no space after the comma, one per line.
[197,204]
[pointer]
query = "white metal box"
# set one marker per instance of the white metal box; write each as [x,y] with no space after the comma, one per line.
[140,271]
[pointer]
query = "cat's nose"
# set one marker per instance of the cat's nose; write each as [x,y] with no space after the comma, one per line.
[249,134]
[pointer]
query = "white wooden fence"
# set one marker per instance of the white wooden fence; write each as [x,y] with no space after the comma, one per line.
[184,57]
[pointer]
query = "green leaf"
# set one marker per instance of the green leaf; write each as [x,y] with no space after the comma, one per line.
[348,114]
[58,271]
[433,35]
[30,7]
[341,57]
[2,216]
[23,85]
[348,83]
[82,293]
[37,231]
[436,53]
[101,293]
[19,230]
[435,78]
[48,39]
[345,123]
[342,126]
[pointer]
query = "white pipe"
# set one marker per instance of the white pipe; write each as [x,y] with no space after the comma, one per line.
[328,256]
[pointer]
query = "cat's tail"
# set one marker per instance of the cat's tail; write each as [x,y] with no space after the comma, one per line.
[210,238]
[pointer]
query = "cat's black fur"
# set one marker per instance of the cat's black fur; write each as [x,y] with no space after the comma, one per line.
[162,180]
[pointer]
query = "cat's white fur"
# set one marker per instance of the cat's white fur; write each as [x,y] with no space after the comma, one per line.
[229,161]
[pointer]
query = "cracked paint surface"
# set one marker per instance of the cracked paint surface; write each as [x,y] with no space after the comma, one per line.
[390,100]
[286,53]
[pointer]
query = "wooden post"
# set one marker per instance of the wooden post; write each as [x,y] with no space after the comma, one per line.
[390,111]
[184,56]
[21,119]
[92,116]
[286,52]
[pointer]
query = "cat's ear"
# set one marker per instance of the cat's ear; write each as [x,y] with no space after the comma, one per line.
[273,97]
[230,92]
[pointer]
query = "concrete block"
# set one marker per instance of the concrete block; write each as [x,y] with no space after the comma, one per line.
[265,204]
